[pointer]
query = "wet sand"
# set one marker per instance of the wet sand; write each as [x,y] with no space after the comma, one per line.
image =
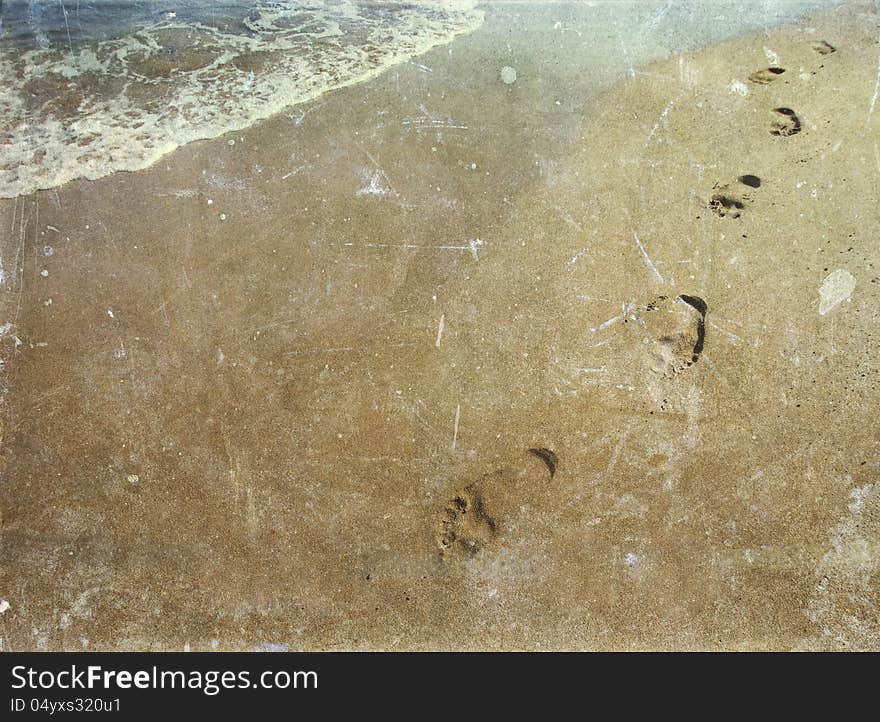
[509,367]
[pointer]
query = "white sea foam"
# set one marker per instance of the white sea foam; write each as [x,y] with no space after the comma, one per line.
[121,104]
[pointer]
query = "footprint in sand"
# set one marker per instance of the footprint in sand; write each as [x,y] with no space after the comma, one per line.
[725,204]
[823,48]
[470,523]
[729,201]
[465,526]
[785,122]
[678,327]
[768,75]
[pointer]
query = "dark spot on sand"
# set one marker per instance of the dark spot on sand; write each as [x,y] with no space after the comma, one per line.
[550,459]
[823,48]
[752,181]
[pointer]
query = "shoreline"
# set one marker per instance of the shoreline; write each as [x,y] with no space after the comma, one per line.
[96,163]
[86,124]
[251,420]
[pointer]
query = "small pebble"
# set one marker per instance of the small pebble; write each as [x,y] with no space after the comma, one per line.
[44,273]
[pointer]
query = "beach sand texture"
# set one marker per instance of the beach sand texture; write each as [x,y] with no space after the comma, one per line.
[444,361]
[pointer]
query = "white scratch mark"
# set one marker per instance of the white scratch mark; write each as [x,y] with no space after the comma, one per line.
[471,246]
[724,330]
[455,427]
[342,349]
[585,297]
[440,329]
[658,16]
[574,259]
[379,169]
[660,120]
[611,321]
[293,172]
[375,187]
[648,263]
[566,216]
[632,70]
[302,116]
[427,123]
[874,98]
[612,462]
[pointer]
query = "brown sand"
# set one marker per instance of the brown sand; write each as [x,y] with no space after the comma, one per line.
[227,430]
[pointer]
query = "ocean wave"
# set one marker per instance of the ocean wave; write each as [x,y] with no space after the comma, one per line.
[94,107]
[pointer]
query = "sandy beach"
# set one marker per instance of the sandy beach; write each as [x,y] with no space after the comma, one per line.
[586,360]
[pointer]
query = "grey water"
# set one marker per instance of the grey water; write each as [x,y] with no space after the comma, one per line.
[45,23]
[97,86]
[70,23]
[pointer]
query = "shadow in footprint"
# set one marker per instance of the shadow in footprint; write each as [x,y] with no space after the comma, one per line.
[785,122]
[768,75]
[700,306]
[550,459]
[823,48]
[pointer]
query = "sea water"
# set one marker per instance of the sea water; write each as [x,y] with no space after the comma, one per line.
[94,87]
